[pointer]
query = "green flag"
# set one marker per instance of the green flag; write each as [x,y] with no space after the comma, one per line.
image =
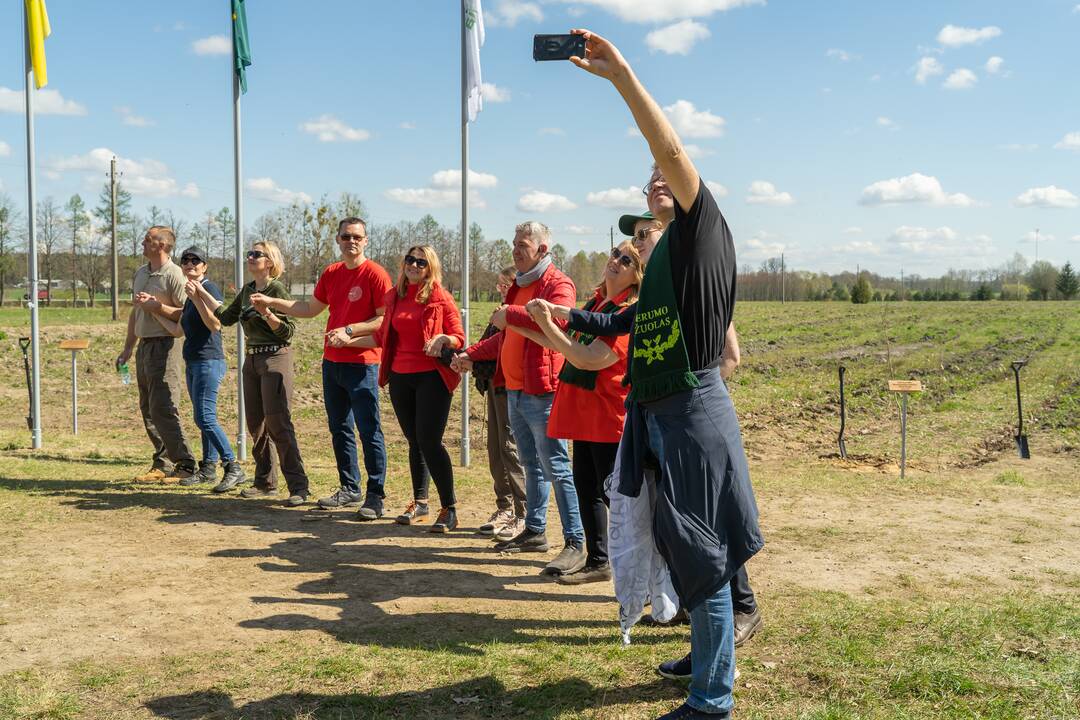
[241,46]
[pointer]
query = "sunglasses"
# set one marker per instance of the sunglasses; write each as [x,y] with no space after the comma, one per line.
[255,254]
[624,260]
[643,234]
[346,237]
[190,260]
[418,262]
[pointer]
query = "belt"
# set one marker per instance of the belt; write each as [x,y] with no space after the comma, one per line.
[263,349]
[156,338]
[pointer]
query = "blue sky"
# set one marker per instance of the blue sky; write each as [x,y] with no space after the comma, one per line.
[922,135]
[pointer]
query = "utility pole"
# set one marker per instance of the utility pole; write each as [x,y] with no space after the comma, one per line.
[611,229]
[115,272]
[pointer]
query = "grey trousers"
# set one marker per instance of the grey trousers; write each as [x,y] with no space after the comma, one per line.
[502,455]
[268,386]
[161,384]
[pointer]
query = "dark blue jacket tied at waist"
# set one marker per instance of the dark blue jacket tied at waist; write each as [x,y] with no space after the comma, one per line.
[706,517]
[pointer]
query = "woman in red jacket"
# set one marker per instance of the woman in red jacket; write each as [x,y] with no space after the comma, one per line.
[421,319]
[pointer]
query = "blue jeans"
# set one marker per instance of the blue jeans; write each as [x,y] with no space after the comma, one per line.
[546,461]
[203,380]
[351,396]
[712,633]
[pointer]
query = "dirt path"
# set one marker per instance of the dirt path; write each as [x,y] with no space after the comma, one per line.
[105,569]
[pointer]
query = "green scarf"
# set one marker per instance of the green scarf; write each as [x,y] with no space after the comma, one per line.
[573,374]
[659,363]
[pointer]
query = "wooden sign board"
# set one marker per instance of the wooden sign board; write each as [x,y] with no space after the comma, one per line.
[905,386]
[77,344]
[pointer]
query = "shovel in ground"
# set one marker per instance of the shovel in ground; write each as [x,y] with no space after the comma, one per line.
[24,345]
[1021,438]
[843,416]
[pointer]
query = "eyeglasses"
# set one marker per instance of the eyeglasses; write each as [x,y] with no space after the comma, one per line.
[190,260]
[624,260]
[643,234]
[346,237]
[418,262]
[649,185]
[255,254]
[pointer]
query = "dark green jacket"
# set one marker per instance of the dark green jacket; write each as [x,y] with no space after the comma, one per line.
[256,329]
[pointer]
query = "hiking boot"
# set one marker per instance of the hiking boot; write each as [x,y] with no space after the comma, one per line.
[296,500]
[685,712]
[524,541]
[680,669]
[510,530]
[570,560]
[207,473]
[340,499]
[258,492]
[446,521]
[746,626]
[234,475]
[415,511]
[372,509]
[587,574]
[498,519]
[179,474]
[154,474]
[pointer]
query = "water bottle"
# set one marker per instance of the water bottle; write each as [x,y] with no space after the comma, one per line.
[125,374]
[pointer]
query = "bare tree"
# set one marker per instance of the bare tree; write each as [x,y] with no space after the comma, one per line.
[50,226]
[78,222]
[9,216]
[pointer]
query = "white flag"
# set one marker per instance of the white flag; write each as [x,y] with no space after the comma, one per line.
[474,39]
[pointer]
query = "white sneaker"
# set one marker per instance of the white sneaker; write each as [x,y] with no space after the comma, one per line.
[496,521]
[510,529]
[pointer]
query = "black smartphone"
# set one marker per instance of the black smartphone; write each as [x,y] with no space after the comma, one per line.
[558,47]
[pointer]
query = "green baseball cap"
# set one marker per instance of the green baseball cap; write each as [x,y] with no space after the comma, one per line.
[627,222]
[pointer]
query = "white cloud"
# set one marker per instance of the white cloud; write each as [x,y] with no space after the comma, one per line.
[697,152]
[761,246]
[147,177]
[1076,10]
[407,125]
[128,117]
[1029,237]
[46,102]
[213,45]
[5,149]
[961,79]
[690,122]
[853,230]
[954,36]
[633,132]
[1071,141]
[677,39]
[994,64]
[266,189]
[654,11]
[444,190]
[628,198]
[538,201]
[887,123]
[922,240]
[508,13]
[450,179]
[861,247]
[1047,197]
[926,68]
[838,54]
[551,131]
[493,93]
[914,188]
[762,192]
[716,189]
[328,128]
[579,230]
[1076,238]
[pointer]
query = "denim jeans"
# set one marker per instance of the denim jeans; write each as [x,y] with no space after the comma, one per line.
[203,380]
[546,461]
[351,396]
[712,632]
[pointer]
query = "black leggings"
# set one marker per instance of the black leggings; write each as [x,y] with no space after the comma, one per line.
[593,462]
[422,404]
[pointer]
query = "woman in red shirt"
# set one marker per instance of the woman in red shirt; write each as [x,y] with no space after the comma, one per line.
[421,319]
[588,406]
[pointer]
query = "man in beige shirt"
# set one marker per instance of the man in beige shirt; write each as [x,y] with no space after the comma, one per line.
[157,361]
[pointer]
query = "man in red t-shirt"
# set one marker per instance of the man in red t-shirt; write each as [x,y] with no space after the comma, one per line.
[353,289]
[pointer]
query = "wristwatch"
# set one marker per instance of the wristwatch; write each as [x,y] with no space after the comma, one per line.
[348,330]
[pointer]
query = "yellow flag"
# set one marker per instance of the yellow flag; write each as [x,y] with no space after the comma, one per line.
[37,25]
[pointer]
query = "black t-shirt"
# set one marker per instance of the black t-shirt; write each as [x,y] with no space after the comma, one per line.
[703,271]
[199,342]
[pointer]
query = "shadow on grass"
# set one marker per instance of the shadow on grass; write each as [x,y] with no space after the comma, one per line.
[484,697]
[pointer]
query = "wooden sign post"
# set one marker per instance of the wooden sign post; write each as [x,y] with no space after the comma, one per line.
[905,388]
[75,346]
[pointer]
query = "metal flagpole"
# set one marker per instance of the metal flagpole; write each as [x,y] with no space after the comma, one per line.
[31,254]
[464,239]
[238,274]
